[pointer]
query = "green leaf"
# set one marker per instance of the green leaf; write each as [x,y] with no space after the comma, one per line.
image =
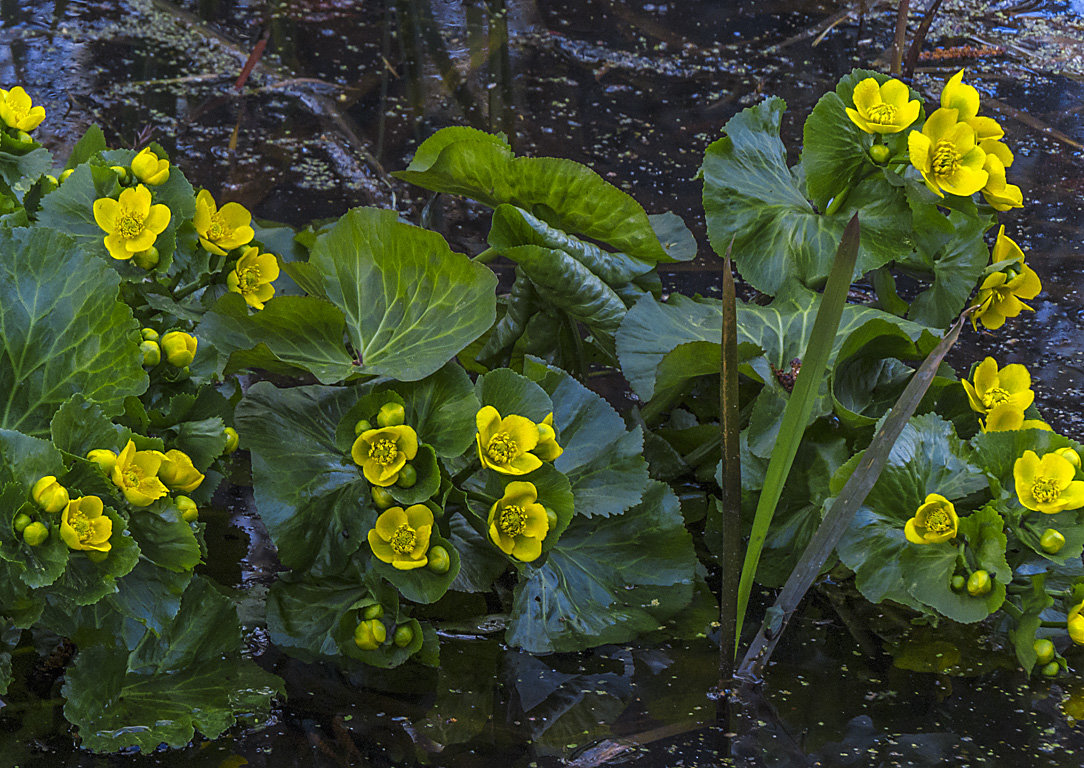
[675,237]
[754,199]
[64,331]
[410,302]
[164,537]
[511,393]
[15,168]
[606,581]
[442,409]
[927,458]
[953,245]
[603,462]
[310,494]
[79,426]
[290,335]
[512,227]
[480,562]
[564,194]
[91,143]
[191,678]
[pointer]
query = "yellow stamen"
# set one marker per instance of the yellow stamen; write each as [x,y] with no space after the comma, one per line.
[882,114]
[938,521]
[502,448]
[384,451]
[1045,490]
[129,225]
[945,158]
[513,520]
[994,397]
[403,540]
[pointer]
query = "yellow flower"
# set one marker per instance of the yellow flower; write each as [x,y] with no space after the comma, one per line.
[1047,484]
[518,523]
[131,223]
[18,111]
[999,297]
[83,526]
[136,474]
[401,537]
[1006,417]
[947,155]
[382,453]
[547,448]
[149,168]
[505,445]
[104,458]
[963,98]
[1075,624]
[50,495]
[998,192]
[253,275]
[935,521]
[882,108]
[221,229]
[178,473]
[992,387]
[180,348]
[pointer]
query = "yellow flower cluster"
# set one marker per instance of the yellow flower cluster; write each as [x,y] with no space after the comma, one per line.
[515,445]
[144,477]
[1001,292]
[1001,396]
[959,152]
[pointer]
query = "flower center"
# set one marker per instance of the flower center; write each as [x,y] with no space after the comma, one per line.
[1045,490]
[938,521]
[129,225]
[502,448]
[219,229]
[80,524]
[882,114]
[132,477]
[403,540]
[945,158]
[513,520]
[384,451]
[248,279]
[995,396]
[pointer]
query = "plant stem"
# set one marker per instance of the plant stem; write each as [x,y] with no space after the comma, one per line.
[901,35]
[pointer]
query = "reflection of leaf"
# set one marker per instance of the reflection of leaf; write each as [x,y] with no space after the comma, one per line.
[58,304]
[192,677]
[606,581]
[464,702]
[564,194]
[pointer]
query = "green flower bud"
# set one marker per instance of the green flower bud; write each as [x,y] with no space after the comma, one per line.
[49,183]
[979,584]
[404,635]
[147,259]
[180,348]
[1070,454]
[35,534]
[370,634]
[551,519]
[391,415]
[149,334]
[232,440]
[1044,650]
[362,425]
[439,561]
[375,611]
[382,497]
[1011,273]
[21,521]
[407,476]
[152,353]
[879,154]
[50,495]
[104,458]
[1051,670]
[958,583]
[1051,541]
[65,174]
[122,173]
[188,509]
[23,137]
[97,556]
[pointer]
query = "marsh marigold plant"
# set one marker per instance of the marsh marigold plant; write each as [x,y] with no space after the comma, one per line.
[401,536]
[934,521]
[131,222]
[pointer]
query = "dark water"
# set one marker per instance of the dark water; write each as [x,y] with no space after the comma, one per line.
[342,95]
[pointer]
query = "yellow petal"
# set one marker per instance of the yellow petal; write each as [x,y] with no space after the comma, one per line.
[958,96]
[1025,470]
[523,464]
[504,543]
[527,549]
[986,128]
[418,516]
[389,522]
[421,541]
[1057,468]
[1027,284]
[105,213]
[522,430]
[918,149]
[1072,497]
[519,493]
[489,422]
[940,125]
[867,95]
[986,376]
[381,549]
[1014,378]
[157,219]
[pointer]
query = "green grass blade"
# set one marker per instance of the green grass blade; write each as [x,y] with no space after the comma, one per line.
[730,508]
[799,406]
